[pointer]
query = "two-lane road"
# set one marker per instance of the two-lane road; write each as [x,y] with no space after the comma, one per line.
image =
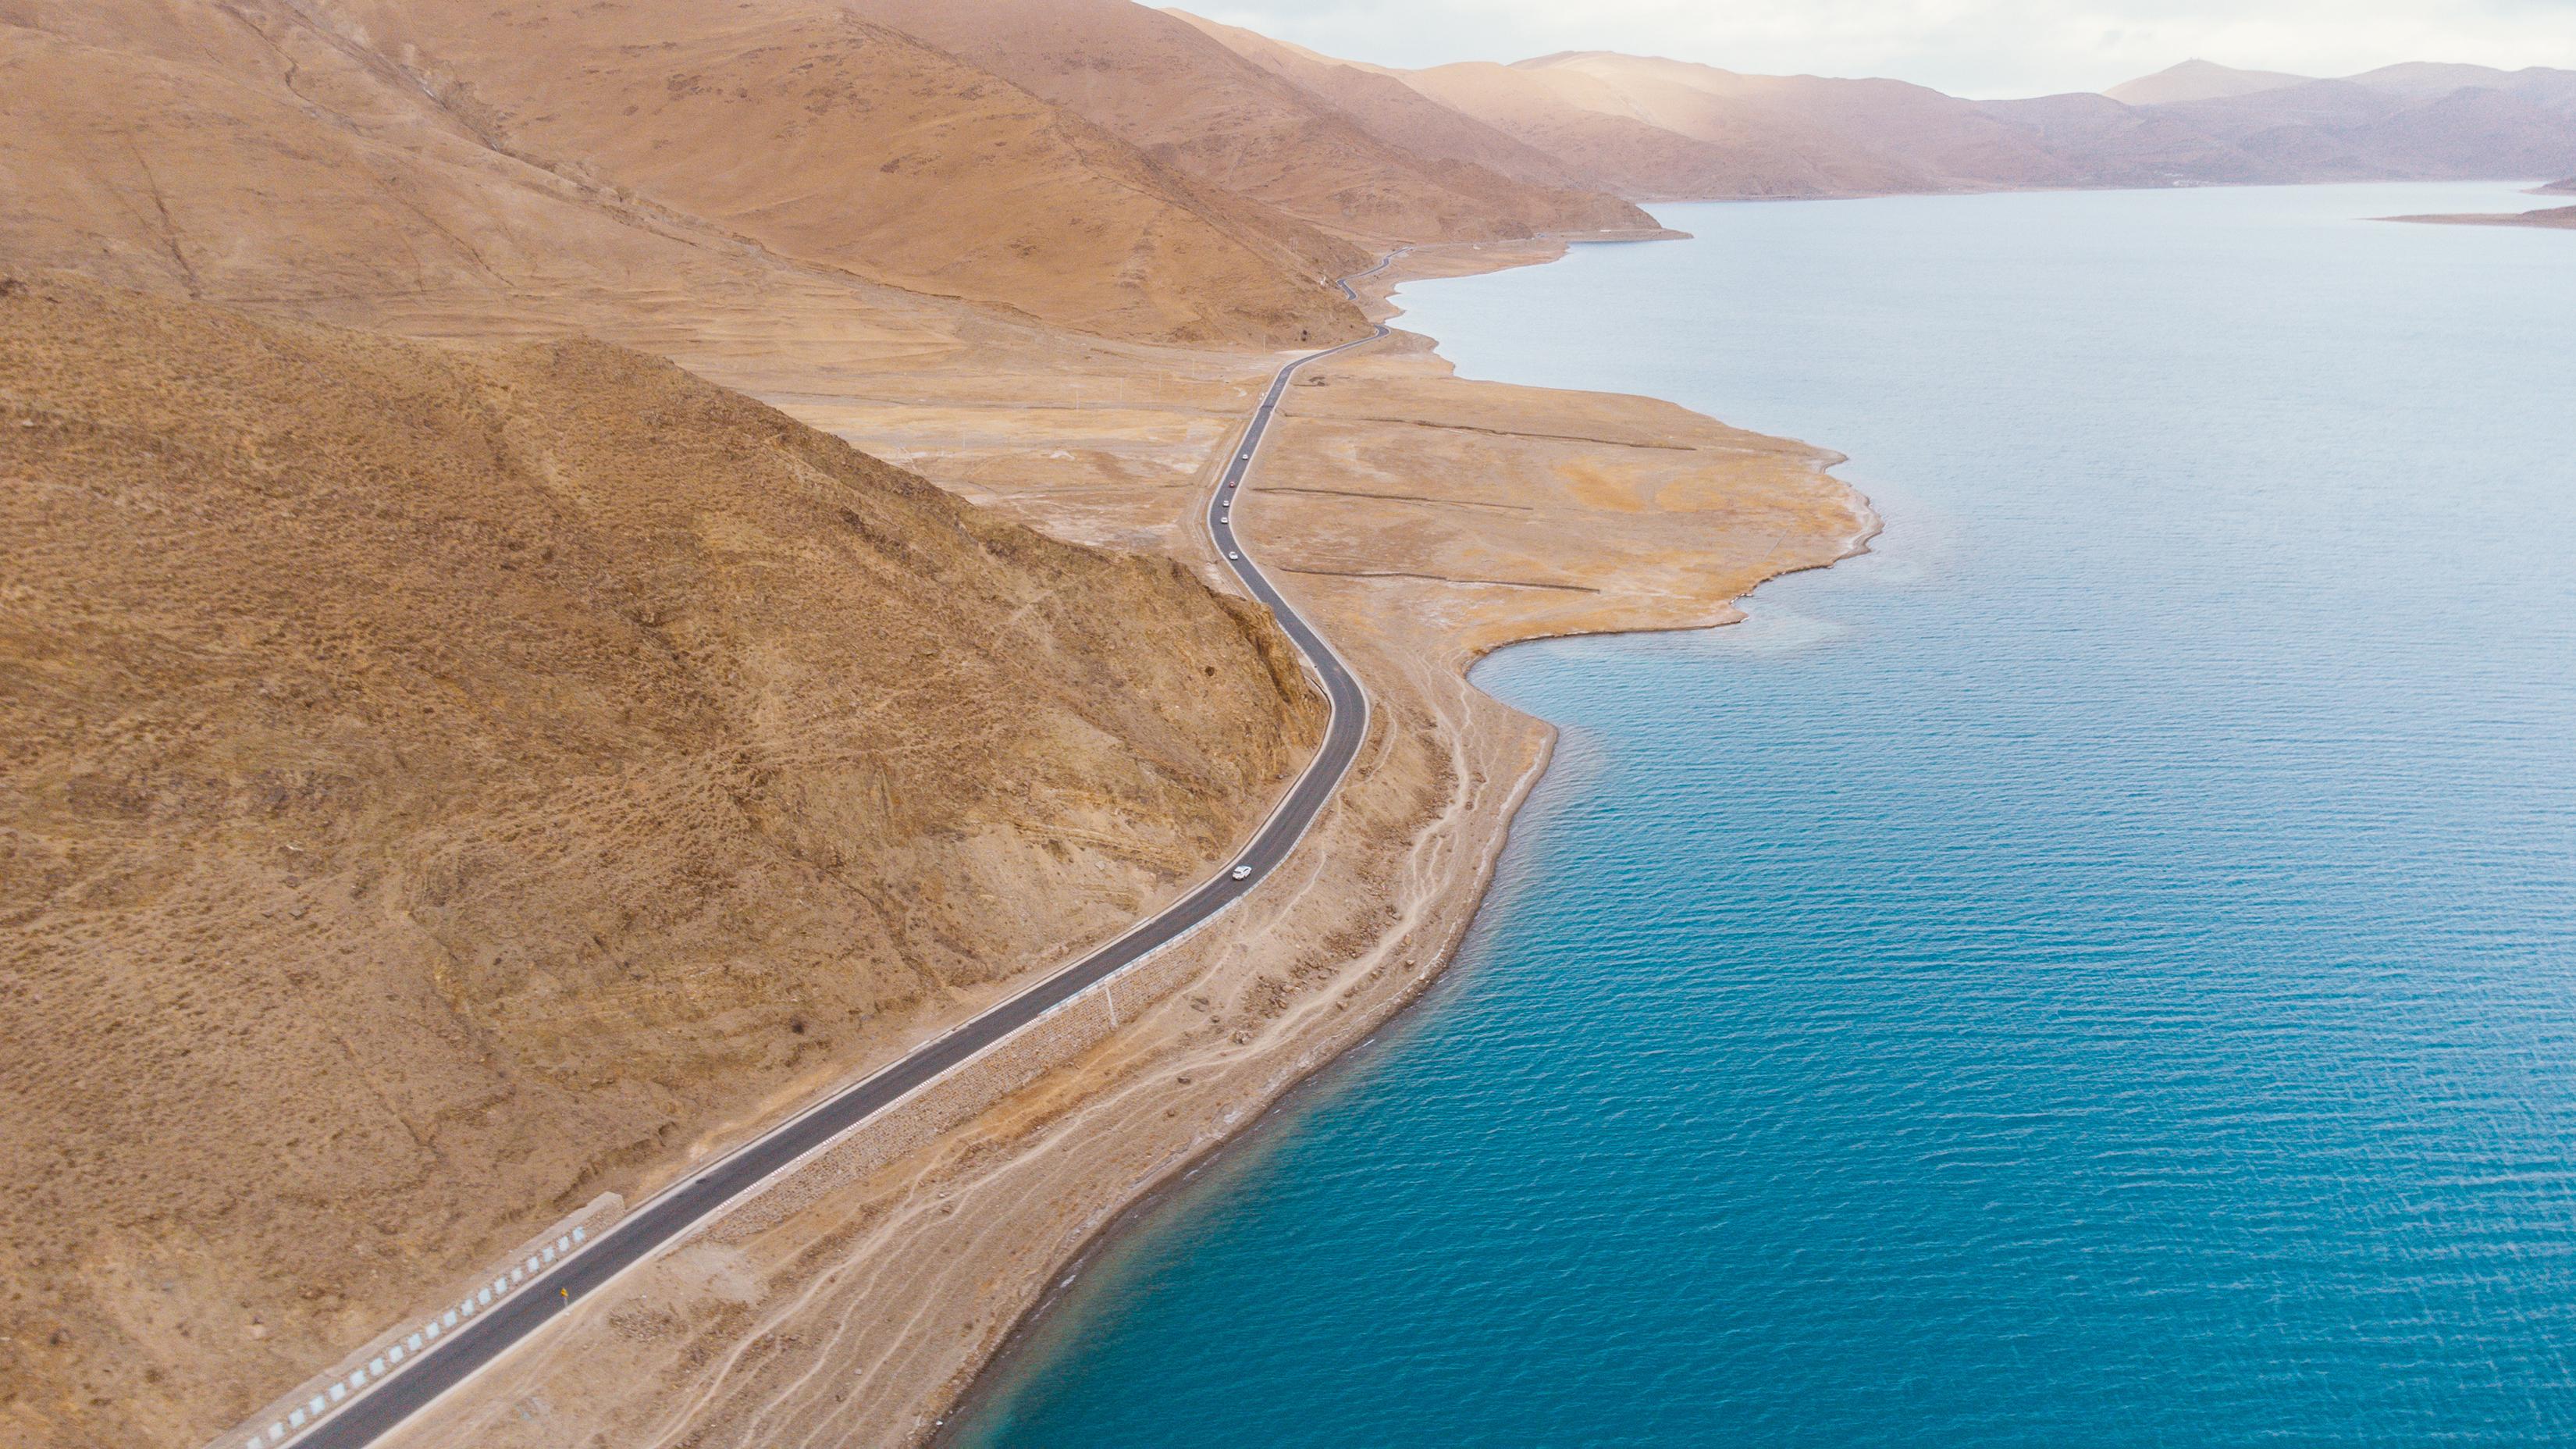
[404,1388]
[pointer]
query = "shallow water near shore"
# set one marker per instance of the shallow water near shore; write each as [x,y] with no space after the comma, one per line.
[2100,969]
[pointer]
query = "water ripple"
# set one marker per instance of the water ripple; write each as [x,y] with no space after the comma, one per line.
[2102,971]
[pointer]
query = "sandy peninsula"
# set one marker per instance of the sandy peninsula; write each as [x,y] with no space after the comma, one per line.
[1424,521]
[2562,218]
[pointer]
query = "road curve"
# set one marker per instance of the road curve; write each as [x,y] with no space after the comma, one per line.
[404,1388]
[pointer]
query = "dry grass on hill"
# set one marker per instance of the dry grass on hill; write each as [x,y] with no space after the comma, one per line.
[309,154]
[442,784]
[832,141]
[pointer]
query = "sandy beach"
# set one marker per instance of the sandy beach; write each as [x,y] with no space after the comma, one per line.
[1423,521]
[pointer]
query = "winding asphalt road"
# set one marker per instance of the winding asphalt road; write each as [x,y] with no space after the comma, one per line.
[403,1389]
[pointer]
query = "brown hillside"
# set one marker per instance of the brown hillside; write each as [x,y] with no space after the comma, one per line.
[2544,86]
[2128,145]
[2471,132]
[833,141]
[1185,99]
[2344,128]
[1630,157]
[443,784]
[2199,80]
[1776,155]
[269,152]
[176,157]
[1655,129]
[1835,136]
[1398,114]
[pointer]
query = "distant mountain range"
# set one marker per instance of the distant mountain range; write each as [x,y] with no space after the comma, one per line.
[448,782]
[2419,120]
[1652,129]
[2200,80]
[1088,164]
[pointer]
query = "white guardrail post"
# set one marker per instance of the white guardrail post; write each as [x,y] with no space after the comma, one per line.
[481,1298]
[311,1401]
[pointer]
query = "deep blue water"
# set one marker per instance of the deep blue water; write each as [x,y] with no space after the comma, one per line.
[2100,971]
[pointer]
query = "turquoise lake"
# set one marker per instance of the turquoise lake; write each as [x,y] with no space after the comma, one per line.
[2100,970]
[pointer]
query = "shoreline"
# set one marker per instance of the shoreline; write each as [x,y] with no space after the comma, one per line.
[1018,1339]
[878,1290]
[2547,218]
[1022,1338]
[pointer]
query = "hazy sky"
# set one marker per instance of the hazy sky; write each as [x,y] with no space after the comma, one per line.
[1966,47]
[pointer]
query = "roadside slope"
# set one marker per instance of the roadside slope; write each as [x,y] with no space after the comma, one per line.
[475,777]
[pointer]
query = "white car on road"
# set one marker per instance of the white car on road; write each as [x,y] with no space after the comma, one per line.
[1242,872]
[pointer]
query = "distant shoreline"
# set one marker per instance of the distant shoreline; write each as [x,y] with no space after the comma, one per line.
[2555,218]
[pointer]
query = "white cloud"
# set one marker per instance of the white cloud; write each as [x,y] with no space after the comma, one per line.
[1966,47]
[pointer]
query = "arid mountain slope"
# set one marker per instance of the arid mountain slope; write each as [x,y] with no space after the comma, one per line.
[1663,129]
[2415,80]
[2349,130]
[1185,99]
[833,141]
[442,785]
[2543,86]
[171,152]
[2130,145]
[1636,159]
[1857,135]
[2199,80]
[1379,100]
[270,151]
